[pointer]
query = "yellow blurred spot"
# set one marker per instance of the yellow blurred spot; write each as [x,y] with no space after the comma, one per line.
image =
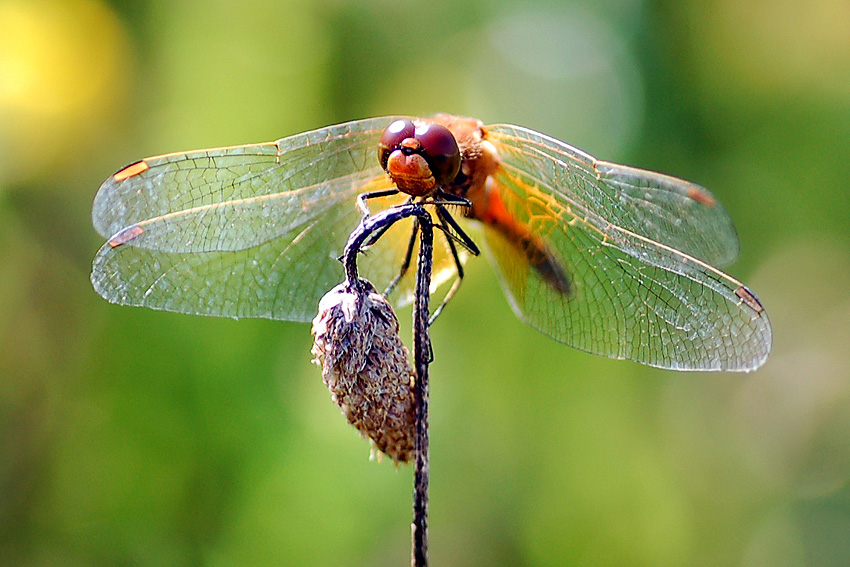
[61,74]
[764,47]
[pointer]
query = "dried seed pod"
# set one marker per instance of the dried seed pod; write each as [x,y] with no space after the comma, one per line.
[365,366]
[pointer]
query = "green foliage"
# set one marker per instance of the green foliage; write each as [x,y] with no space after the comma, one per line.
[133,437]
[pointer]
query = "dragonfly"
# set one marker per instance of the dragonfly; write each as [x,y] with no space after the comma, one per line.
[606,258]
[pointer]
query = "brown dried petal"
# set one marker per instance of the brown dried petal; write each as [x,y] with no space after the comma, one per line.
[366,367]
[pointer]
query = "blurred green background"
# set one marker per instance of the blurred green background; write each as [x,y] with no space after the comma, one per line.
[134,437]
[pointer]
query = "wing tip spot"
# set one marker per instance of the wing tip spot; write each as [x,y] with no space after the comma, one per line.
[131,170]
[749,299]
[701,196]
[126,235]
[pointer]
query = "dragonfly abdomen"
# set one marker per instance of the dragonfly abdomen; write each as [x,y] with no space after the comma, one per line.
[493,213]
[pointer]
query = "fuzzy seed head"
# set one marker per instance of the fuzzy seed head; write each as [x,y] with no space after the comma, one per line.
[366,367]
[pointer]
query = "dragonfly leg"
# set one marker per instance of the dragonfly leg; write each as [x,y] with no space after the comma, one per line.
[363,197]
[364,209]
[449,199]
[459,235]
[465,241]
[378,234]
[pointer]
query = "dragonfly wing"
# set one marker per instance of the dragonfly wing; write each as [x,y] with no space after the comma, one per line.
[277,278]
[665,209]
[628,296]
[246,231]
[174,183]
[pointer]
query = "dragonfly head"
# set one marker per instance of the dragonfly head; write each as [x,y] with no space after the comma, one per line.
[419,157]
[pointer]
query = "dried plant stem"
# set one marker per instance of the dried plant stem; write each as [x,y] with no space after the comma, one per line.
[363,235]
[422,358]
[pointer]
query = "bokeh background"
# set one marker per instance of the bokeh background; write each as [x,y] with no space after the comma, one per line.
[133,437]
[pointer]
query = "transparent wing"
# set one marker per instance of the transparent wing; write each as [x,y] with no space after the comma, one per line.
[668,210]
[245,231]
[632,294]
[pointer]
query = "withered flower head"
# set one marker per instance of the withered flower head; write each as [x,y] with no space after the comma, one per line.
[365,366]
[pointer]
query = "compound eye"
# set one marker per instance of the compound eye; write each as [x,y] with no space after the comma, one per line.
[439,148]
[392,138]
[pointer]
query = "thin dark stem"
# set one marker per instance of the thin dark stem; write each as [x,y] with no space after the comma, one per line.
[379,223]
[365,233]
[422,358]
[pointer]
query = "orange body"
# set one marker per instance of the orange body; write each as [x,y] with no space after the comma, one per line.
[479,162]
